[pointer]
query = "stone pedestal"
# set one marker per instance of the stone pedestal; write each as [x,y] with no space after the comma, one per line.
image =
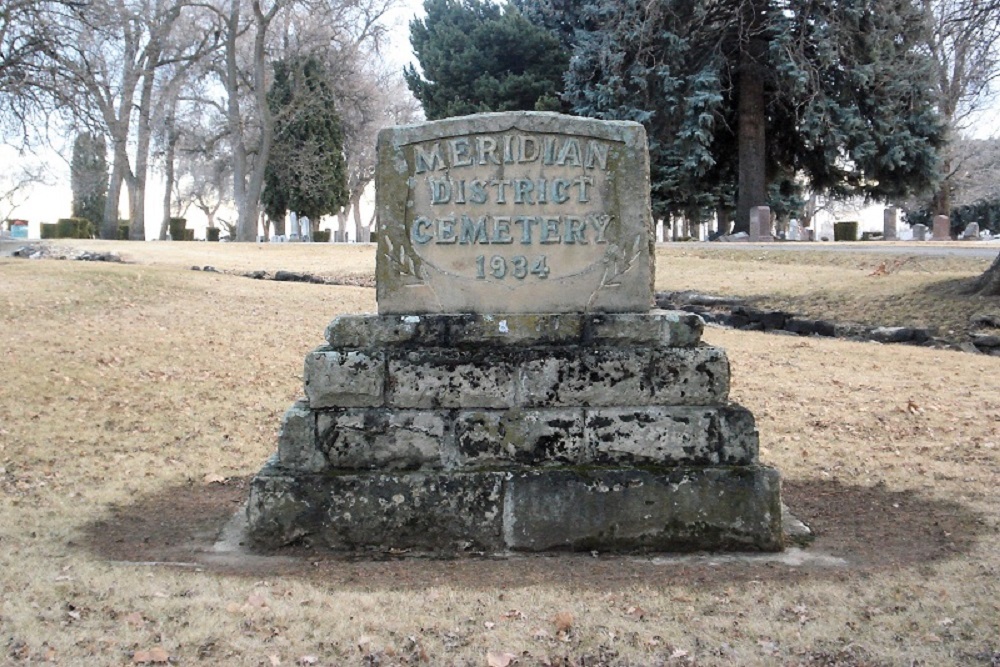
[942,228]
[490,433]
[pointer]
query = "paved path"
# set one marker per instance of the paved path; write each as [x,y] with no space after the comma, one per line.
[971,249]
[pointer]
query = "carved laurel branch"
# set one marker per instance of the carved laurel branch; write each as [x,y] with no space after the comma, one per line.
[619,261]
[401,260]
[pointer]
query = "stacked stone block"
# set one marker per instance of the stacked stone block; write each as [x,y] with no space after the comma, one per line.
[487,433]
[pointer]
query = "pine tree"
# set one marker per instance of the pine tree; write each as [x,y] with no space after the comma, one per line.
[745,97]
[89,177]
[478,56]
[306,171]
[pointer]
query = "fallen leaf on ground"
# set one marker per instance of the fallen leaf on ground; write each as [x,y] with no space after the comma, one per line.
[563,621]
[135,619]
[257,601]
[499,659]
[153,655]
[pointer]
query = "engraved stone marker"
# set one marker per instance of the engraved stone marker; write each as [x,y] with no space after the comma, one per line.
[942,228]
[516,212]
[515,391]
[890,221]
[760,224]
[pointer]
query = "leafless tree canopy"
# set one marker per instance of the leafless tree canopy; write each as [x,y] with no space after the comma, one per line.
[181,85]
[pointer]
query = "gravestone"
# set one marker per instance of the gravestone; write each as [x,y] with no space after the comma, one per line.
[971,231]
[890,222]
[760,224]
[919,232]
[515,390]
[942,228]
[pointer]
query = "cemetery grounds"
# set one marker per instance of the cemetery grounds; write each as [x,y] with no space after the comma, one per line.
[137,399]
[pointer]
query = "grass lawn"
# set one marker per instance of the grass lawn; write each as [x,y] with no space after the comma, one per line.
[137,399]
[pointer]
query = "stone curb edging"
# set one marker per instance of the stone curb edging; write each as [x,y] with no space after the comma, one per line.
[734,313]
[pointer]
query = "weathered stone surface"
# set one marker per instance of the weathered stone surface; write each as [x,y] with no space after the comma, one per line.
[447,378]
[683,509]
[588,377]
[689,376]
[447,513]
[391,439]
[344,379]
[900,335]
[297,440]
[942,228]
[669,328]
[626,377]
[657,327]
[760,224]
[520,437]
[890,223]
[515,390]
[378,438]
[671,436]
[716,508]
[985,340]
[376,331]
[971,231]
[517,211]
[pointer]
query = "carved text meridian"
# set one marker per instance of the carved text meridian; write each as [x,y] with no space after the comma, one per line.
[483,150]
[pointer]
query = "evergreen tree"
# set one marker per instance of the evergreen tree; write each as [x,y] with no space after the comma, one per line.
[478,56]
[745,97]
[306,171]
[89,177]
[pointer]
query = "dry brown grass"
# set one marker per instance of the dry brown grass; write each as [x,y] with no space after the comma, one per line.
[873,289]
[123,386]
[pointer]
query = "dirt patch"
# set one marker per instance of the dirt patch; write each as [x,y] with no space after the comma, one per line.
[870,528]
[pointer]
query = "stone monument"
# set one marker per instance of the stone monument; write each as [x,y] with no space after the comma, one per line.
[942,228]
[890,223]
[760,224]
[515,390]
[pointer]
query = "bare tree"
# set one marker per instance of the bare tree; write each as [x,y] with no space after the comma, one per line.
[964,40]
[254,34]
[23,44]
[204,172]
[371,99]
[104,75]
[14,187]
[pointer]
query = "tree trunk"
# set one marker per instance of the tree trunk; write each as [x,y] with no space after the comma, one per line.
[109,227]
[168,176]
[359,227]
[941,204]
[988,284]
[752,118]
[248,175]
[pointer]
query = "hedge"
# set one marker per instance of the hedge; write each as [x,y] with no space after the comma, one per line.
[177,231]
[845,231]
[74,228]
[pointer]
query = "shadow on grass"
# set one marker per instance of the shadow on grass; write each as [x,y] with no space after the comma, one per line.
[870,527]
